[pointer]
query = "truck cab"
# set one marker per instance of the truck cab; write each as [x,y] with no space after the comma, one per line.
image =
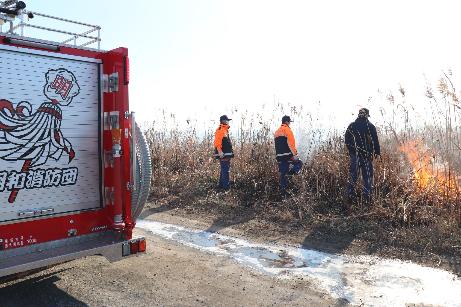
[74,166]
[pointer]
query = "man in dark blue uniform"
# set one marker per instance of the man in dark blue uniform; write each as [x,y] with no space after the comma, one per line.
[363,146]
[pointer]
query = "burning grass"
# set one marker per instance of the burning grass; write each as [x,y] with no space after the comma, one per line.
[416,180]
[429,176]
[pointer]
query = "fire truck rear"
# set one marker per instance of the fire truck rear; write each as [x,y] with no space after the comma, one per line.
[74,166]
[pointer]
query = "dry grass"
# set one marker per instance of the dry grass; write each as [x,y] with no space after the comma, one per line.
[183,167]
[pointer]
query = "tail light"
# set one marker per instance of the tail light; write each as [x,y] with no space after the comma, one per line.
[142,245]
[134,246]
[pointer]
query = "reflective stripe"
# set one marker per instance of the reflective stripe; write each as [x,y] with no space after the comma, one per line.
[284,154]
[226,154]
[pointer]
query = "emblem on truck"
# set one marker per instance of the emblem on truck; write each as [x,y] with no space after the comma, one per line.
[36,137]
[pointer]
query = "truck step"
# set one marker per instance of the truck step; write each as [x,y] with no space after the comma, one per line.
[107,244]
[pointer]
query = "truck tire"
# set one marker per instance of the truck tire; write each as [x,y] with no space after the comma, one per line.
[143,174]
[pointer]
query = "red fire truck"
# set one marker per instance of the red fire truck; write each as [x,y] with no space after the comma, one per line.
[74,166]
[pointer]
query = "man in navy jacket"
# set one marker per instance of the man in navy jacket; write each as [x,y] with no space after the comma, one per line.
[363,145]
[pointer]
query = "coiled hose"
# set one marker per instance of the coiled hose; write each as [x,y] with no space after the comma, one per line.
[143,174]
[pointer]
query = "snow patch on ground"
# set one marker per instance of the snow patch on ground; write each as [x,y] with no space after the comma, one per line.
[367,280]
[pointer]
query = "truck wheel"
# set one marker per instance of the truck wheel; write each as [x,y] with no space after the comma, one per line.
[143,174]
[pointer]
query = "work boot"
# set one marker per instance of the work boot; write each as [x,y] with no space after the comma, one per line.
[220,188]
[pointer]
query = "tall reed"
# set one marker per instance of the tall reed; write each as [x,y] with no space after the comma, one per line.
[184,167]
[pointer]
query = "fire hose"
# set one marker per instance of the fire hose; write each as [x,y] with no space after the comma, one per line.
[143,173]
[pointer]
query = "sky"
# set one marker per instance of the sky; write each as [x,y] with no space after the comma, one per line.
[198,59]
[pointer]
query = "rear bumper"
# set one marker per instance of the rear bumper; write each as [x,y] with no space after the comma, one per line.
[107,244]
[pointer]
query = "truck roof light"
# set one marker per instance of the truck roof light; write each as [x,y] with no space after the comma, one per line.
[126,64]
[20,5]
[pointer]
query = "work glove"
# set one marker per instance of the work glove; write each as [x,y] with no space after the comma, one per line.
[221,155]
[295,158]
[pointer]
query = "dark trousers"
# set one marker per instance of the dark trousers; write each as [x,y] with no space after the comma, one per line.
[288,167]
[224,175]
[366,168]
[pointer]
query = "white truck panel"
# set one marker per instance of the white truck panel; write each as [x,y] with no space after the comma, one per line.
[49,133]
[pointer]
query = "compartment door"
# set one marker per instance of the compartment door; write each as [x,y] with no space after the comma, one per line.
[49,133]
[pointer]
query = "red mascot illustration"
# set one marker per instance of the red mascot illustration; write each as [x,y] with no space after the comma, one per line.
[35,137]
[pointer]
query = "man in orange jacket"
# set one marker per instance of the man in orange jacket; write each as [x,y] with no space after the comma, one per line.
[223,151]
[286,153]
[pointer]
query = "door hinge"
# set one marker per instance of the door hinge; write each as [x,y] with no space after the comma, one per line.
[109,196]
[106,121]
[130,187]
[110,83]
[108,159]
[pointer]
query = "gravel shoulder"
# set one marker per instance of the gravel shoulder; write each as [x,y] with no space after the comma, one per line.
[327,236]
[167,275]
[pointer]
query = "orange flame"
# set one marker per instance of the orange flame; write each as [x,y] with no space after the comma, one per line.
[429,176]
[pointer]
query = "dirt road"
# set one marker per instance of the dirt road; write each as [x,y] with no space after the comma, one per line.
[168,275]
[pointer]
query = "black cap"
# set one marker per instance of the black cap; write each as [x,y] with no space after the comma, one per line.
[223,118]
[286,119]
[364,112]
